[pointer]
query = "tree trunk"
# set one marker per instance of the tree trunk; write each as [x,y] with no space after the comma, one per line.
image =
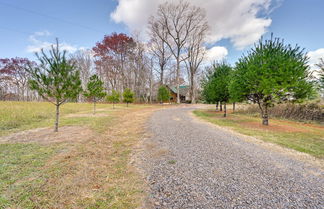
[265,116]
[220,106]
[233,106]
[161,76]
[57,117]
[224,109]
[127,104]
[94,107]
[192,90]
[216,106]
[178,80]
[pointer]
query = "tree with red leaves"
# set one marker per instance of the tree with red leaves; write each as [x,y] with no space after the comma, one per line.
[112,54]
[14,77]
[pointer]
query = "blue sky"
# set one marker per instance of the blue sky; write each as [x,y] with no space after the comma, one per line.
[26,25]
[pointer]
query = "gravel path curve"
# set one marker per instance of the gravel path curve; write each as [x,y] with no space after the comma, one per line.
[189,164]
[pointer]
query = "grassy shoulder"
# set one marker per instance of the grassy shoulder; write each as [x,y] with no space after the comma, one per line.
[308,138]
[88,167]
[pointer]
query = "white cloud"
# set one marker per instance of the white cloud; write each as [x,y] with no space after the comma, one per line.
[314,57]
[37,43]
[216,53]
[239,21]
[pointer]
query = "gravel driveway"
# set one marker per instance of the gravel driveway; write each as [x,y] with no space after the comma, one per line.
[189,164]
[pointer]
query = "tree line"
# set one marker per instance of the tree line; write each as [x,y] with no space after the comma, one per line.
[272,72]
[172,56]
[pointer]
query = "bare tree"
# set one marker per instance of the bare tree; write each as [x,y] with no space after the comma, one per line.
[160,50]
[84,63]
[179,21]
[321,75]
[195,55]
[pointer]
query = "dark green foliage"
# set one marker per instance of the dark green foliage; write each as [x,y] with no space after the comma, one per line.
[128,96]
[114,97]
[55,78]
[215,87]
[163,94]
[222,73]
[95,90]
[272,72]
[209,92]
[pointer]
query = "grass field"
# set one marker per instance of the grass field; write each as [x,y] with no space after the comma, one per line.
[85,165]
[18,116]
[303,137]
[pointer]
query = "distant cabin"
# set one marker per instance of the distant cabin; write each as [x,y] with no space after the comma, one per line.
[183,91]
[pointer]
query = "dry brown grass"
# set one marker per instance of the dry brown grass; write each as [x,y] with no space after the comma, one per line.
[101,168]
[90,169]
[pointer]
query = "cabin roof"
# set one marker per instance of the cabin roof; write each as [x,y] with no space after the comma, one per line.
[183,89]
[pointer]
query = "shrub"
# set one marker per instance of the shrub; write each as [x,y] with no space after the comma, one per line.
[163,94]
[301,112]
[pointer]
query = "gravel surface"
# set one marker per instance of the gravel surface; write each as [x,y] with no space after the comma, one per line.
[189,164]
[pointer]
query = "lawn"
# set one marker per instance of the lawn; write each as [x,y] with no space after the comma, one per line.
[85,165]
[303,137]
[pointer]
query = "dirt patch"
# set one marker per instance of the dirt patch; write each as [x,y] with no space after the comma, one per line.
[273,127]
[47,135]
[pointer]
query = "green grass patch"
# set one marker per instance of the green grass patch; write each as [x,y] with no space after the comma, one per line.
[21,173]
[308,138]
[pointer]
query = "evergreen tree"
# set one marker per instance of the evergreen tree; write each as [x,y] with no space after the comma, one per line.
[114,97]
[128,96]
[221,79]
[163,94]
[55,78]
[216,84]
[208,92]
[272,72]
[95,90]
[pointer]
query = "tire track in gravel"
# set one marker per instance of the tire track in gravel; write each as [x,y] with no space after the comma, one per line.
[188,164]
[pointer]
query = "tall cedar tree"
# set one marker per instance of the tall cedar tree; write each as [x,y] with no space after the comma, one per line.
[163,94]
[128,96]
[55,78]
[114,97]
[95,90]
[272,72]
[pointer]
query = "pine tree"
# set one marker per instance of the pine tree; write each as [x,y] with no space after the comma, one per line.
[128,96]
[221,78]
[95,91]
[272,72]
[55,78]
[114,97]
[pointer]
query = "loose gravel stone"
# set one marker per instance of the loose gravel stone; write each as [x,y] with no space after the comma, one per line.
[206,167]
